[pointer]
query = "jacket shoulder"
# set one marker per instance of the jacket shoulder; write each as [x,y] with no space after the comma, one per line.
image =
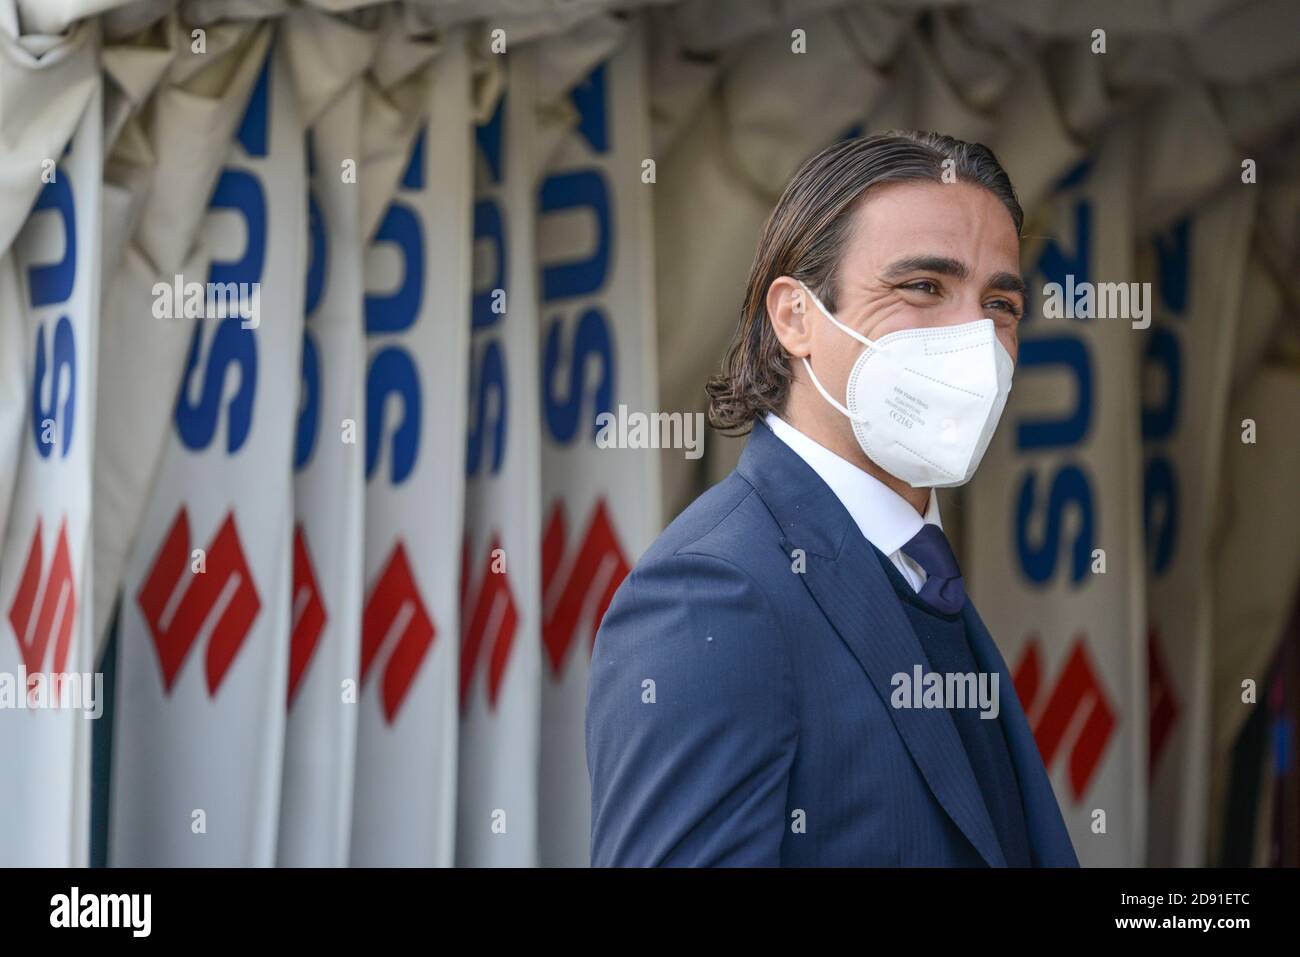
[729,522]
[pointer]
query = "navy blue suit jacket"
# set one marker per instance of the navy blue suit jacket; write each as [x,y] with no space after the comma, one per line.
[738,709]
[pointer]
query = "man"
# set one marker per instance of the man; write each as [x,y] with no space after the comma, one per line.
[751,697]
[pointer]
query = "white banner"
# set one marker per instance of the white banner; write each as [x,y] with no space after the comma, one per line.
[13,381]
[204,631]
[500,583]
[46,685]
[1196,269]
[48,81]
[159,176]
[600,506]
[329,484]
[1055,551]
[417,280]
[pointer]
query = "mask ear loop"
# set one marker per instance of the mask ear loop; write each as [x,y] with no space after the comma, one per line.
[827,396]
[812,375]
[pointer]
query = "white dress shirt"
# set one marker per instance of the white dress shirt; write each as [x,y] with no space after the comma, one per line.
[885,517]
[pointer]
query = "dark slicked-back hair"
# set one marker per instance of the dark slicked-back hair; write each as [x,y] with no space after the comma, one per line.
[805,237]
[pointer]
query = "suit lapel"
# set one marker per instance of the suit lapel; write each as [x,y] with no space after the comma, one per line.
[1049,840]
[844,577]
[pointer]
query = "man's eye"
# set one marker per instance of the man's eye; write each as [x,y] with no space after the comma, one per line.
[1005,305]
[923,285]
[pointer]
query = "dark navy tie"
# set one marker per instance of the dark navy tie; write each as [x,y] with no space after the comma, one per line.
[943,588]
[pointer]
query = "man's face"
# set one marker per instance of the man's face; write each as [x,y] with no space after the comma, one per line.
[921,254]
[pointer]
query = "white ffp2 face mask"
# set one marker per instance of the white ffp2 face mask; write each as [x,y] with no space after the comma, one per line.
[924,403]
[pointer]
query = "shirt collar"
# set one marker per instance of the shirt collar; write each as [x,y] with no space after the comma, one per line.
[884,517]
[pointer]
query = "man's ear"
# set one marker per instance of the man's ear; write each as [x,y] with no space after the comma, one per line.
[789,309]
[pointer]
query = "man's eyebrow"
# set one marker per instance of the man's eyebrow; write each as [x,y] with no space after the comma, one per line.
[1009,282]
[947,266]
[943,265]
